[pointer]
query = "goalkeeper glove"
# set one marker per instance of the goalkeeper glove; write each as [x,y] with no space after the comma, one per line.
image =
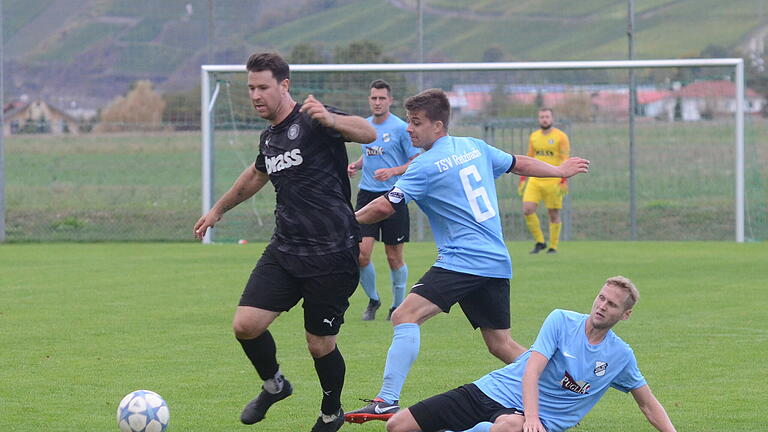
[521,186]
[563,187]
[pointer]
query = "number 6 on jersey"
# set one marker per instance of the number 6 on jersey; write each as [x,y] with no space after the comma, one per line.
[474,194]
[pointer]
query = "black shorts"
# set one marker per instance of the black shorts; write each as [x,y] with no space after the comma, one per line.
[392,230]
[484,300]
[458,409]
[325,282]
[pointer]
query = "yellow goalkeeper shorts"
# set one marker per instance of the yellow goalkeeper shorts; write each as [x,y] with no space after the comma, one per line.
[547,190]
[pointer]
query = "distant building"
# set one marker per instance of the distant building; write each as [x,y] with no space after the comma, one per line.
[713,99]
[700,100]
[37,116]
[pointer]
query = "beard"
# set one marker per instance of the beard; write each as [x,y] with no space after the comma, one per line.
[545,127]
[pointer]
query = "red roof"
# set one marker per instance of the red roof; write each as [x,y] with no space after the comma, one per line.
[721,88]
[12,105]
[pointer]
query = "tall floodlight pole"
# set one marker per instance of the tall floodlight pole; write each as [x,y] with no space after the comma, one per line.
[632,105]
[420,79]
[2,133]
[420,37]
[211,29]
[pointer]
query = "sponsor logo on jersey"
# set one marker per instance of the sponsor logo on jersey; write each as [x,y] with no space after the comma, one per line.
[568,383]
[374,150]
[395,195]
[466,157]
[385,137]
[545,153]
[283,161]
[600,368]
[293,131]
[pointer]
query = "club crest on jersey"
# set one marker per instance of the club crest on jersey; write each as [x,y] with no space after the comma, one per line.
[568,383]
[551,141]
[293,131]
[385,137]
[395,195]
[283,161]
[374,150]
[600,368]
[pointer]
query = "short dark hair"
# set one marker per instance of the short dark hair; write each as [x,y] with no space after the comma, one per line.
[269,61]
[381,84]
[434,103]
[545,108]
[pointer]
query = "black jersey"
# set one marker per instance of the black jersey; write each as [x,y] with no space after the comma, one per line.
[307,164]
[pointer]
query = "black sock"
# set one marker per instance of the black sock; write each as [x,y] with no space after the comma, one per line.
[262,353]
[330,369]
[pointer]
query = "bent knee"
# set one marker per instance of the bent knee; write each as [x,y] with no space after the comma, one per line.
[320,346]
[401,422]
[509,423]
[498,349]
[244,329]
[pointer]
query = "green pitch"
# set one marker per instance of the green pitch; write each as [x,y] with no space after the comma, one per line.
[81,325]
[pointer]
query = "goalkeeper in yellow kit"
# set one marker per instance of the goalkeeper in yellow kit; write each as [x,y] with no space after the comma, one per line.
[550,145]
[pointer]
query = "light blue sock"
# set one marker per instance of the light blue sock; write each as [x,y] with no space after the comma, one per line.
[399,278]
[368,281]
[401,355]
[480,427]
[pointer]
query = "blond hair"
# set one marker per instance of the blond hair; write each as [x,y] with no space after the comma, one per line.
[633,295]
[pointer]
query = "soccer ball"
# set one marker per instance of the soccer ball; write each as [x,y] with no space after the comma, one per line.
[142,411]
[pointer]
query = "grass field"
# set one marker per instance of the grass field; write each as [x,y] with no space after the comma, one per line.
[146,187]
[81,325]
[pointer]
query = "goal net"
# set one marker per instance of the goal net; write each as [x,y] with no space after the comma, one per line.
[686,166]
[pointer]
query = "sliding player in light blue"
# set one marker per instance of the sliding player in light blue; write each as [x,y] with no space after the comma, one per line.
[452,181]
[382,162]
[575,359]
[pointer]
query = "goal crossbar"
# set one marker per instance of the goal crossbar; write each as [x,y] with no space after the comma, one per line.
[209,92]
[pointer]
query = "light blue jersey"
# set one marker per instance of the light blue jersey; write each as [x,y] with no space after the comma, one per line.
[453,183]
[392,148]
[576,376]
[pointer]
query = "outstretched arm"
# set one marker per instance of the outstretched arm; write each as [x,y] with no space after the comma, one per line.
[353,128]
[531,167]
[375,211]
[247,184]
[651,407]
[384,174]
[533,369]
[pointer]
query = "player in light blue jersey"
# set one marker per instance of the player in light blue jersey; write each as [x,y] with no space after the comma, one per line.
[382,162]
[575,359]
[453,183]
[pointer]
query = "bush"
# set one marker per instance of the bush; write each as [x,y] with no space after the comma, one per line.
[139,110]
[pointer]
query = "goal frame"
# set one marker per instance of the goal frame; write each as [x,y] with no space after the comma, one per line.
[210,92]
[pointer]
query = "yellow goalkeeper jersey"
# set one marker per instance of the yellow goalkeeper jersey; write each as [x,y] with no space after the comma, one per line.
[552,148]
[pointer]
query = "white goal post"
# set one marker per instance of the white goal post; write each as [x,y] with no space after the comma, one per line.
[210,92]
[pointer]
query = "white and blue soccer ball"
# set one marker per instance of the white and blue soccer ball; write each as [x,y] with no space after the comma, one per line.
[142,411]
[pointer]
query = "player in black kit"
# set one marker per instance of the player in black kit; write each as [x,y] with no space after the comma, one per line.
[314,250]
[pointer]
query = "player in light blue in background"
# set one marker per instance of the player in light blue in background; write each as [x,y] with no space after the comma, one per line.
[575,359]
[382,162]
[453,183]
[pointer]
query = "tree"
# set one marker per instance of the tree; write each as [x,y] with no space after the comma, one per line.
[182,109]
[494,53]
[306,53]
[140,109]
[363,51]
